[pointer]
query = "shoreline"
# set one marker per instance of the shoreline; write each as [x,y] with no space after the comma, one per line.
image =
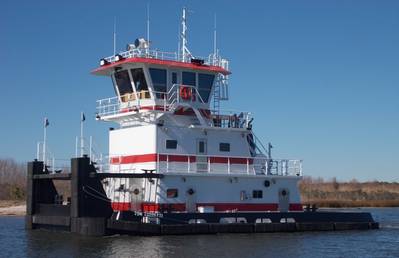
[12,208]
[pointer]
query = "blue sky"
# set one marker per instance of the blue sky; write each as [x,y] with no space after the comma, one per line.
[321,77]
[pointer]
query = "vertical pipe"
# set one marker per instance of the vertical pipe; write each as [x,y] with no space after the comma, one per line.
[38,150]
[44,144]
[76,146]
[81,135]
[90,150]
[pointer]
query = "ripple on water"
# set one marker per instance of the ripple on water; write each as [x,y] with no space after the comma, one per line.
[16,242]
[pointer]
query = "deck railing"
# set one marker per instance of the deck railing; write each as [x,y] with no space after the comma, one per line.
[170,101]
[168,56]
[207,165]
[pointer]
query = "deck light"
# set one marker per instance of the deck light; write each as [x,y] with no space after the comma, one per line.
[197,61]
[103,62]
[118,58]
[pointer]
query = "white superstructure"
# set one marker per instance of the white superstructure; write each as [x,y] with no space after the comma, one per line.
[167,106]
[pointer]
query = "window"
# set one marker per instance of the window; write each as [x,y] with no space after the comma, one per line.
[139,79]
[224,146]
[257,194]
[171,193]
[201,147]
[123,82]
[174,78]
[189,78]
[171,144]
[205,82]
[158,77]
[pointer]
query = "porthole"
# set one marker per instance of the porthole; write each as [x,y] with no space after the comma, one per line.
[190,191]
[283,192]
[136,191]
[267,183]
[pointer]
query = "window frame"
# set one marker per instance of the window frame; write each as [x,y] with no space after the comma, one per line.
[175,195]
[221,149]
[130,82]
[158,94]
[257,194]
[169,141]
[210,89]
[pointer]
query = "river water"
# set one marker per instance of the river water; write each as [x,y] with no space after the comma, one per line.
[15,241]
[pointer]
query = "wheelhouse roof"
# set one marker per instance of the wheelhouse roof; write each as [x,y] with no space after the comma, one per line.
[108,68]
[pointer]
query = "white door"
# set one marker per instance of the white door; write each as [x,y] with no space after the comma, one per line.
[191,200]
[283,199]
[202,158]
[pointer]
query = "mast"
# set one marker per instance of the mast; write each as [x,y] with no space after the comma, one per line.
[185,53]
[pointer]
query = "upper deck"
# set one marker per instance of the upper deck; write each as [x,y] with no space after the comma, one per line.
[168,59]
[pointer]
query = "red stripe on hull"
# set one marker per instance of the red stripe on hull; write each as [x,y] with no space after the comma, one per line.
[218,207]
[134,159]
[176,158]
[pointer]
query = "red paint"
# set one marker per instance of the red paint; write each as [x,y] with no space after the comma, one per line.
[176,158]
[219,207]
[134,159]
[175,64]
[120,206]
[181,111]
[295,207]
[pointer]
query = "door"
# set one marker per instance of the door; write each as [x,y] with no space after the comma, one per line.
[136,193]
[191,200]
[283,199]
[202,158]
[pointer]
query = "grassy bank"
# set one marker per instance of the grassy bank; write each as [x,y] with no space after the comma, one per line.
[324,193]
[349,194]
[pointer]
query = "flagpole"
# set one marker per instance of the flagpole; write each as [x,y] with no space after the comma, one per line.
[81,134]
[44,143]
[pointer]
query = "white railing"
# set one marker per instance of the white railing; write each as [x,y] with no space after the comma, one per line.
[89,147]
[231,119]
[167,163]
[204,164]
[169,56]
[171,100]
[51,164]
[207,165]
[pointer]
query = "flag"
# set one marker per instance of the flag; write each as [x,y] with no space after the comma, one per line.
[46,122]
[83,118]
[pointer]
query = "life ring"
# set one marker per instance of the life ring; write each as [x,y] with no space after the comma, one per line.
[185,93]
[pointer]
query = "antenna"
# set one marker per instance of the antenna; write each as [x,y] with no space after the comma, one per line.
[184,50]
[114,35]
[148,23]
[214,37]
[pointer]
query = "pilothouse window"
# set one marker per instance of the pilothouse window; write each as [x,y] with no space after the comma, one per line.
[158,77]
[139,82]
[122,80]
[189,78]
[205,82]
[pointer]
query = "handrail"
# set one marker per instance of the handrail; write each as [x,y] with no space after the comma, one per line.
[50,162]
[171,56]
[211,164]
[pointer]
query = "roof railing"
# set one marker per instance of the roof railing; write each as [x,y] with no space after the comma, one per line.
[169,56]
